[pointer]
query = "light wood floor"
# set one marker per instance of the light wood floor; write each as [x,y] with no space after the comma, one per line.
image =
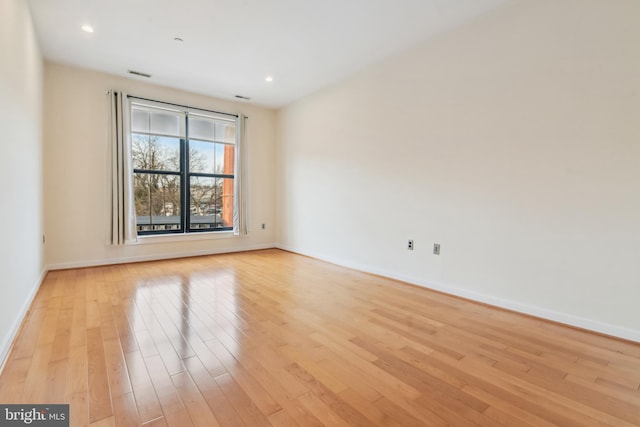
[272,338]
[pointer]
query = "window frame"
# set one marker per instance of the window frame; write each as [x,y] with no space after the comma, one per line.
[184,173]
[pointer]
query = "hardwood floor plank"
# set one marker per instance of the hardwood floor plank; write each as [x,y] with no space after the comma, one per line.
[196,405]
[99,391]
[124,409]
[77,389]
[158,422]
[368,409]
[12,382]
[329,397]
[56,381]
[281,419]
[116,368]
[60,350]
[26,341]
[411,418]
[173,408]
[105,422]
[78,334]
[618,381]
[247,410]
[36,374]
[143,390]
[212,393]
[320,410]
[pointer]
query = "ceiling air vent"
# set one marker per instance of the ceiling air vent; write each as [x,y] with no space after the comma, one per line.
[246,98]
[138,73]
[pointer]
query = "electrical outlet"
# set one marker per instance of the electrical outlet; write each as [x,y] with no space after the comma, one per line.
[436,248]
[410,245]
[263,226]
[43,239]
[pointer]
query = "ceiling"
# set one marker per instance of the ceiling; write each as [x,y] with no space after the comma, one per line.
[230,46]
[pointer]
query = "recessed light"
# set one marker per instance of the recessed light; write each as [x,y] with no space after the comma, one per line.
[87,28]
[268,79]
[178,39]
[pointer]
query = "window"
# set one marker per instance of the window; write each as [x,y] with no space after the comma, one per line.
[183,169]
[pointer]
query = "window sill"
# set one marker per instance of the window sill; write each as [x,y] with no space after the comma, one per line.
[183,237]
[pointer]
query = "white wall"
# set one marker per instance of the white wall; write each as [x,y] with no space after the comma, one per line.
[20,167]
[76,170]
[513,141]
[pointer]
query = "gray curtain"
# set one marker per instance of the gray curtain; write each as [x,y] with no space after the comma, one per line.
[123,219]
[241,219]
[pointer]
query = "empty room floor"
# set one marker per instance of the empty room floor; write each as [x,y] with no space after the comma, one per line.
[273,338]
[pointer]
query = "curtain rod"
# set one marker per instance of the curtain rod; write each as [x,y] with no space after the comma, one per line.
[182,106]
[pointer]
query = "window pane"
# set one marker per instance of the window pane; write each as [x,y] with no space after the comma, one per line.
[211,203]
[210,129]
[226,132]
[201,128]
[152,152]
[211,157]
[157,201]
[139,120]
[167,123]
[150,120]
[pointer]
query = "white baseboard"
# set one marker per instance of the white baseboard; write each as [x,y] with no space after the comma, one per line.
[7,340]
[543,313]
[125,260]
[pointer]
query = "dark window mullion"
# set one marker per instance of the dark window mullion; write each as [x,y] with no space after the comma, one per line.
[216,197]
[148,179]
[186,193]
[156,172]
[211,175]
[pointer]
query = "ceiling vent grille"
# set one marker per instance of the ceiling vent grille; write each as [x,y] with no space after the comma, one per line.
[138,73]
